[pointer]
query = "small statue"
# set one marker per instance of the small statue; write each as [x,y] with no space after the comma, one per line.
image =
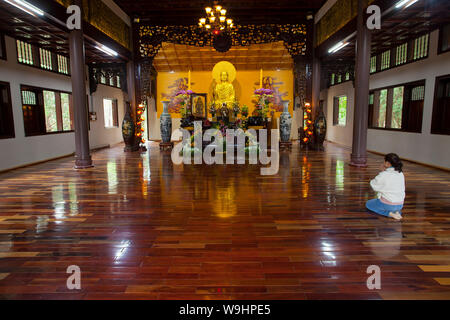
[224,112]
[212,110]
[236,109]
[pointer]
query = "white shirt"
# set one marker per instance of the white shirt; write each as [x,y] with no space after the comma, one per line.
[390,185]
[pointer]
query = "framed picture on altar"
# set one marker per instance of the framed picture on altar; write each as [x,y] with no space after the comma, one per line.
[199,105]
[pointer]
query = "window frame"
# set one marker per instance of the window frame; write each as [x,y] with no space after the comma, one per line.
[435,112]
[336,111]
[9,114]
[108,81]
[393,56]
[3,51]
[115,113]
[40,95]
[409,54]
[389,104]
[441,29]
[37,59]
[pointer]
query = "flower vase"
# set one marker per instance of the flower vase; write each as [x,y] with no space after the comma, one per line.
[128,129]
[166,123]
[285,123]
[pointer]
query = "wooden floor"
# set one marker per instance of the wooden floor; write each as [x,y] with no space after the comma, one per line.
[140,227]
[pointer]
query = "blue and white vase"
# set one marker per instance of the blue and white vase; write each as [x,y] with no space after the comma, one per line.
[166,123]
[285,123]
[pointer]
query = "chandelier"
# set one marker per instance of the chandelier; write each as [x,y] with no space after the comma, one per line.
[216,20]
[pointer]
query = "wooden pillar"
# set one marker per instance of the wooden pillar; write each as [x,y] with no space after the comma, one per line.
[361,112]
[131,87]
[77,67]
[316,69]
[316,75]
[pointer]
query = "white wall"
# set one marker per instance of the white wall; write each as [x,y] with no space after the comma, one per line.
[25,150]
[422,147]
[99,135]
[339,134]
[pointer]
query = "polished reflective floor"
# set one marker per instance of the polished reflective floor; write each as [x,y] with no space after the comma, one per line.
[140,227]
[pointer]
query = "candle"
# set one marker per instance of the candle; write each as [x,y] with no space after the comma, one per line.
[261,78]
[189,80]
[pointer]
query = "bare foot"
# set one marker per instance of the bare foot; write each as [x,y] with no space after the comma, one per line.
[395,215]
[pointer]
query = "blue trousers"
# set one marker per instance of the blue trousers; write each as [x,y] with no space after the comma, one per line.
[381,208]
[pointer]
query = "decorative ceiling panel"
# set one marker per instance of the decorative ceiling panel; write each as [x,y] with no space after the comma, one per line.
[177,57]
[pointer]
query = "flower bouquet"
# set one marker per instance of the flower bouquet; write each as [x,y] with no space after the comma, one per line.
[182,98]
[262,99]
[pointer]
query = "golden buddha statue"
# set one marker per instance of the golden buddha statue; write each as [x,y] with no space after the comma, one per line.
[224,92]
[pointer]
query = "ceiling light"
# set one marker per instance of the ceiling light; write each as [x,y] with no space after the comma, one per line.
[216,19]
[107,50]
[405,3]
[25,6]
[338,47]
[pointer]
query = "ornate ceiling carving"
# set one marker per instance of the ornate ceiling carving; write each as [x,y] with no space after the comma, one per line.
[152,37]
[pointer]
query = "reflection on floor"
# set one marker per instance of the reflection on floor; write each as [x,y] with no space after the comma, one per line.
[139,226]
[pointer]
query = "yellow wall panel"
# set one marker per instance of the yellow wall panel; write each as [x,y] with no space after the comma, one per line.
[245,84]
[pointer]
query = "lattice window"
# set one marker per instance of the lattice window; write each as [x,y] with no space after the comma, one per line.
[118,81]
[24,52]
[46,59]
[28,97]
[401,55]
[333,78]
[339,78]
[373,64]
[421,47]
[418,93]
[63,64]
[385,59]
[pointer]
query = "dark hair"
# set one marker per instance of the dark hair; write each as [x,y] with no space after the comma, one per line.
[395,161]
